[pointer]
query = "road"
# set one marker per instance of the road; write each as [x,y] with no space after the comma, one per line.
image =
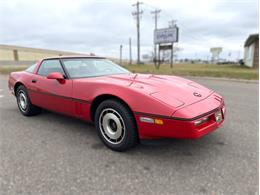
[54,154]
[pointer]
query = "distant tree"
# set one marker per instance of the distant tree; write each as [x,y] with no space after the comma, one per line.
[241,62]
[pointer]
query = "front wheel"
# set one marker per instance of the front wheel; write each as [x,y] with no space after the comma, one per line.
[24,103]
[116,125]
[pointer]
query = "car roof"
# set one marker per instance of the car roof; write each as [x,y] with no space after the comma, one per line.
[75,56]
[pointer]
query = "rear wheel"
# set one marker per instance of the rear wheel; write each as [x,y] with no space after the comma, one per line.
[116,125]
[24,103]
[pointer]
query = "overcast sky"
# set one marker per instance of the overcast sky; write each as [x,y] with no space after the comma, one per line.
[100,26]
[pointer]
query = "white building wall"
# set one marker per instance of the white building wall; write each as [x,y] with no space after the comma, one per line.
[249,55]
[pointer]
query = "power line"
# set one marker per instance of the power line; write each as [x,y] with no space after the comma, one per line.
[190,33]
[172,23]
[183,27]
[137,15]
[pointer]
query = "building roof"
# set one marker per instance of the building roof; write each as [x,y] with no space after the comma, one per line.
[251,39]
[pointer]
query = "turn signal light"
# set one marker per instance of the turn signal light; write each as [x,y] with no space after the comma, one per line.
[156,121]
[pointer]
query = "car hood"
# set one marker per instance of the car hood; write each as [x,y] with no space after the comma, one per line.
[174,91]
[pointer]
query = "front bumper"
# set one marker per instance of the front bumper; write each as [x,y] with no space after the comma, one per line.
[183,129]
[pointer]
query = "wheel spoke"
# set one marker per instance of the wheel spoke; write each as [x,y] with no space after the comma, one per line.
[112,126]
[22,101]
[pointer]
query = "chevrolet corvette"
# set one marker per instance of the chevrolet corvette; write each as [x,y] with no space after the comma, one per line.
[125,107]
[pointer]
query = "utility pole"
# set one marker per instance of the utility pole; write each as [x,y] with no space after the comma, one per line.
[156,14]
[172,24]
[121,47]
[130,51]
[137,14]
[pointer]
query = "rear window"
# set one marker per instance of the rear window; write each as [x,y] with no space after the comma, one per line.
[31,68]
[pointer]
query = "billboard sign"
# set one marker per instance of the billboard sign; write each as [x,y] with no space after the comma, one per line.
[216,51]
[166,35]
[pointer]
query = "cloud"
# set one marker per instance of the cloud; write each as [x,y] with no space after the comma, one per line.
[100,26]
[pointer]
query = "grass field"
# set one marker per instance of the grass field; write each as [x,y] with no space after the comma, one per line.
[8,69]
[206,70]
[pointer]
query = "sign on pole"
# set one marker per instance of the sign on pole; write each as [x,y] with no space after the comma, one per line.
[165,47]
[215,53]
[166,35]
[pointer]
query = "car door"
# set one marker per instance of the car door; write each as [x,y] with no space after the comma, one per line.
[51,94]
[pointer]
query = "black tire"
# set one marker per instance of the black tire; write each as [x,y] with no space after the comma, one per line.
[29,109]
[128,133]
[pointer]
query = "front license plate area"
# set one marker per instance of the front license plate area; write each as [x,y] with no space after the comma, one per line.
[218,116]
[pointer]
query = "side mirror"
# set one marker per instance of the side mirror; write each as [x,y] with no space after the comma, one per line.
[56,75]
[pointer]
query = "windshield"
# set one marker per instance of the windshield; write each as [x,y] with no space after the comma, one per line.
[83,67]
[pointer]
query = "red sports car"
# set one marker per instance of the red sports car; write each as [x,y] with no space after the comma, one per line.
[124,106]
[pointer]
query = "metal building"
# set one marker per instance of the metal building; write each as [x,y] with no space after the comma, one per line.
[251,51]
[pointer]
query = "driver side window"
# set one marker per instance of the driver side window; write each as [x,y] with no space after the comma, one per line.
[49,66]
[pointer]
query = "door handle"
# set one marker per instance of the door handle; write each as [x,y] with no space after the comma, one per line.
[34,81]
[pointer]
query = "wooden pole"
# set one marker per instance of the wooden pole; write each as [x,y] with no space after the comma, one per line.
[172,56]
[130,51]
[159,58]
[121,47]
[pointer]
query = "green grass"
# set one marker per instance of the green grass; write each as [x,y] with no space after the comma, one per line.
[9,69]
[206,70]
